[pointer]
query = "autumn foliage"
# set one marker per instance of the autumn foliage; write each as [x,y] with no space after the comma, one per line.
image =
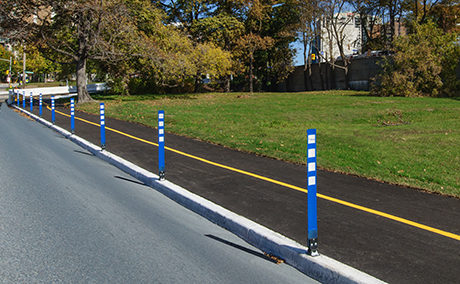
[424,64]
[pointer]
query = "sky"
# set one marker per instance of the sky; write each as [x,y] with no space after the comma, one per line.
[298,59]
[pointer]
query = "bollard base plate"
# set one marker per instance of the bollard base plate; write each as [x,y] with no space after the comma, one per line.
[313,247]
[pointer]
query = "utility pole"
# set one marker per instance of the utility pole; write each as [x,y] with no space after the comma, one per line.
[24,68]
[9,74]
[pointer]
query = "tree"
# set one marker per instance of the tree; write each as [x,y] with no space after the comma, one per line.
[71,32]
[334,22]
[208,27]
[250,43]
[276,63]
[208,60]
[185,12]
[369,12]
[256,34]
[5,65]
[39,64]
[446,15]
[257,12]
[157,58]
[222,30]
[394,12]
[424,65]
[172,58]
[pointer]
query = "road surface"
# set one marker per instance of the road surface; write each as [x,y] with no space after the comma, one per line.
[67,216]
[396,234]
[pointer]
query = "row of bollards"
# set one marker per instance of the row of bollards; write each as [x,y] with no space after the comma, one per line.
[311,160]
[161,132]
[31,101]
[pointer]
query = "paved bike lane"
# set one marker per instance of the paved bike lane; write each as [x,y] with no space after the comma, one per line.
[388,249]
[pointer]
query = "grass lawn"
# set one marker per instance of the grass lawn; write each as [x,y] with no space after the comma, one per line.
[406,141]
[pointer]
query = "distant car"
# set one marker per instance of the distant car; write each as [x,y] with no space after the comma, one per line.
[364,55]
[382,53]
[349,57]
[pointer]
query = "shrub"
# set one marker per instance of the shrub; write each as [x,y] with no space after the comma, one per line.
[424,64]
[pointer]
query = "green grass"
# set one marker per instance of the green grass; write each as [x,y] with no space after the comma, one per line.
[424,153]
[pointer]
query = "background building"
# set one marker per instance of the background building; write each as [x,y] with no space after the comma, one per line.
[345,30]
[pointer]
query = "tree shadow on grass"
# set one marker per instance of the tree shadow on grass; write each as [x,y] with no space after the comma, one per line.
[142,97]
[368,94]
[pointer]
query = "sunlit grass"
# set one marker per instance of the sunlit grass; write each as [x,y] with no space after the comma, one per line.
[423,153]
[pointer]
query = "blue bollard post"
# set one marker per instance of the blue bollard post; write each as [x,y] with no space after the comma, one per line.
[53,115]
[17,97]
[161,144]
[102,114]
[311,196]
[40,103]
[31,102]
[23,99]
[72,116]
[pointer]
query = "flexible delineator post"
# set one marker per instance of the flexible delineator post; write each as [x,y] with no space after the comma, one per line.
[161,144]
[72,115]
[102,116]
[311,195]
[40,103]
[53,110]
[31,102]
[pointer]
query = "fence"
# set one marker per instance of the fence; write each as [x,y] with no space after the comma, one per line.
[325,77]
[361,71]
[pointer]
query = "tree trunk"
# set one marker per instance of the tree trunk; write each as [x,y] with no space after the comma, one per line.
[198,83]
[228,78]
[24,68]
[251,59]
[227,83]
[321,75]
[306,61]
[334,85]
[347,77]
[82,91]
[310,80]
[305,78]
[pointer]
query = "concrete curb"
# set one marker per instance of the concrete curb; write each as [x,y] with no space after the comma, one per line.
[59,90]
[321,268]
[64,90]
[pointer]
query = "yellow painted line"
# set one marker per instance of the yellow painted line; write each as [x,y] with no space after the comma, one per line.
[108,128]
[332,199]
[391,217]
[239,171]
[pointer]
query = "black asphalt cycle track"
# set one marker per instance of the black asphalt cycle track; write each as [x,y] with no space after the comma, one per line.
[387,249]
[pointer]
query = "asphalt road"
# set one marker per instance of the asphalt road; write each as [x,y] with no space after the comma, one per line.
[388,249]
[68,217]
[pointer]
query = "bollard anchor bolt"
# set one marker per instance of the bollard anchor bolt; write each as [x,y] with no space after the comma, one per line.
[313,247]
